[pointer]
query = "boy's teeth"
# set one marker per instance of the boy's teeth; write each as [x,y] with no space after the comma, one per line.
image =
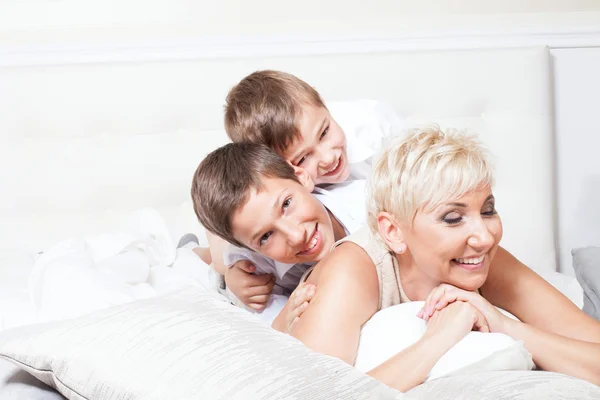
[312,243]
[475,260]
[336,165]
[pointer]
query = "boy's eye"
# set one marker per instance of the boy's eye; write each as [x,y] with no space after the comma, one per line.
[301,161]
[264,238]
[452,218]
[287,203]
[324,132]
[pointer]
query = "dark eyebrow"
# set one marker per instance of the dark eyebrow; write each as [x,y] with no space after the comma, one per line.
[274,207]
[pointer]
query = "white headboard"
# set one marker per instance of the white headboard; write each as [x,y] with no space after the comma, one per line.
[83,145]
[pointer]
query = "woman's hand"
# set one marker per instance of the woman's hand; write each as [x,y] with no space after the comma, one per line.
[298,303]
[445,294]
[452,323]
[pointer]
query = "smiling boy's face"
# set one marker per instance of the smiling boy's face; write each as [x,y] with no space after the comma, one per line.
[320,149]
[284,222]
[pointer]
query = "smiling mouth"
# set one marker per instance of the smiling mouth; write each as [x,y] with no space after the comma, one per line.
[314,244]
[471,263]
[336,168]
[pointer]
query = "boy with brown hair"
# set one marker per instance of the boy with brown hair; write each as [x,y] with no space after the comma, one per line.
[249,196]
[286,114]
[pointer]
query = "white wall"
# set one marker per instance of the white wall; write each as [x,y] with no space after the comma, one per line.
[75,20]
[577,108]
[128,25]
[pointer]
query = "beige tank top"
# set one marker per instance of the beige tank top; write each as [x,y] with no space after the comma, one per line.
[388,273]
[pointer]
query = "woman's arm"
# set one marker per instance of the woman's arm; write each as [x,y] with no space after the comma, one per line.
[560,336]
[348,296]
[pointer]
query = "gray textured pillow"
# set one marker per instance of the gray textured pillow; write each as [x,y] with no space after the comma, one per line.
[507,385]
[586,262]
[188,345]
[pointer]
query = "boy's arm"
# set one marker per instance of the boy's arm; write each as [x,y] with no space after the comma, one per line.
[251,289]
[217,248]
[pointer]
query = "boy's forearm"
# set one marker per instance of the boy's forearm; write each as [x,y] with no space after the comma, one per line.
[217,248]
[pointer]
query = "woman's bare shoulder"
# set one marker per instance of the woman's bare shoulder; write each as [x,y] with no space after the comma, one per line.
[348,266]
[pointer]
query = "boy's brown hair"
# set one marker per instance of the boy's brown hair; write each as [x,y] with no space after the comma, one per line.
[264,108]
[223,181]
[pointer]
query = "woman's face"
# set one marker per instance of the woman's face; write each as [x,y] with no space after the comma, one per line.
[456,242]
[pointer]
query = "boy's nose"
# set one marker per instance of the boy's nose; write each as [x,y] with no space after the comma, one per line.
[327,159]
[295,233]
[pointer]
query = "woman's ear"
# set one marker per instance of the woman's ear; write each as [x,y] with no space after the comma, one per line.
[304,178]
[391,233]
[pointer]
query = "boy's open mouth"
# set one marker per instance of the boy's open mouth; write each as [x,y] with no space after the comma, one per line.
[336,168]
[470,263]
[313,244]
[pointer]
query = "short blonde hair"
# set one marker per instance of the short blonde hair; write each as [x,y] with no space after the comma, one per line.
[423,170]
[265,108]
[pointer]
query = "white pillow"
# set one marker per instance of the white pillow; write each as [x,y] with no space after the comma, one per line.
[188,345]
[393,329]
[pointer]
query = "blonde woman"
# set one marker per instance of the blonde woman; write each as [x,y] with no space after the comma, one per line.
[434,234]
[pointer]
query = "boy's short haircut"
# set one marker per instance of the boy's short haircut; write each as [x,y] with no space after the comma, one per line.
[225,178]
[265,106]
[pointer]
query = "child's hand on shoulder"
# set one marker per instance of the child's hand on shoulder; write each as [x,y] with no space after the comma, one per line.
[252,290]
[298,304]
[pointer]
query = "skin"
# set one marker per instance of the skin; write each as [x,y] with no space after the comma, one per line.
[333,321]
[431,251]
[320,148]
[284,222]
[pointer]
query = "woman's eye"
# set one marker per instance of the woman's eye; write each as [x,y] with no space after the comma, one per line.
[452,218]
[324,132]
[287,203]
[264,238]
[490,212]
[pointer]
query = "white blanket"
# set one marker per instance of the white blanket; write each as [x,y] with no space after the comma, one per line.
[138,260]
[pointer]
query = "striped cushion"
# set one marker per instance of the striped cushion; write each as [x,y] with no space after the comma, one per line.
[187,345]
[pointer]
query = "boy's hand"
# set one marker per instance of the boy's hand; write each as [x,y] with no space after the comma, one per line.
[298,303]
[252,290]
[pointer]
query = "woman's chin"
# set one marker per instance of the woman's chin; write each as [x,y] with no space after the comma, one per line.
[471,282]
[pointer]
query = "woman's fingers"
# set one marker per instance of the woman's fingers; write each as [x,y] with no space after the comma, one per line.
[434,302]
[480,323]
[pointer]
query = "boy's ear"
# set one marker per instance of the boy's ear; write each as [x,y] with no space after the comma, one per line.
[391,233]
[304,178]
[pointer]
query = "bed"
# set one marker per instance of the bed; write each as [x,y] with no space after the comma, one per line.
[85,147]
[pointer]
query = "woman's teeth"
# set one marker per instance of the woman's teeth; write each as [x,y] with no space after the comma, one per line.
[475,260]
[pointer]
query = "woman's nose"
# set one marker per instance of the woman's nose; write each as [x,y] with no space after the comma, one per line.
[481,237]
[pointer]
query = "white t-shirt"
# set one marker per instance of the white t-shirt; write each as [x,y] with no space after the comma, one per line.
[366,124]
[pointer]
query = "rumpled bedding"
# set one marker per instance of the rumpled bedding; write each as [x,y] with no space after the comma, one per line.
[80,275]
